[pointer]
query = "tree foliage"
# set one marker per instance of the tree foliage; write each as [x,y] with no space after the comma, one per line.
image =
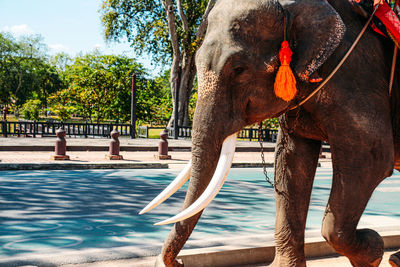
[154,103]
[24,71]
[169,30]
[31,109]
[100,87]
[93,86]
[144,24]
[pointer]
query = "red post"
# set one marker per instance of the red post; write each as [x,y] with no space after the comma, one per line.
[114,147]
[163,146]
[61,146]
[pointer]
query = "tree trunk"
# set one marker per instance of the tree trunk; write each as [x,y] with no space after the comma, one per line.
[174,78]
[185,90]
[183,61]
[176,56]
[188,72]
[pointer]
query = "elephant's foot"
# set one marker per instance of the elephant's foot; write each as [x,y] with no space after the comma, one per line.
[281,261]
[160,262]
[367,264]
[368,250]
[394,259]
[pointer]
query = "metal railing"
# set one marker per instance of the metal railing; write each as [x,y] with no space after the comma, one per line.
[183,132]
[247,133]
[143,131]
[43,129]
[253,134]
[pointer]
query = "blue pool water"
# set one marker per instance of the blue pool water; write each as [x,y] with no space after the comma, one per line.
[52,211]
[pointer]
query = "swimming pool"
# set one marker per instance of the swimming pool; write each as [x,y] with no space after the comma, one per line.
[58,211]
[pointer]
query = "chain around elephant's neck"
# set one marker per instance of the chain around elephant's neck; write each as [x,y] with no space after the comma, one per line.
[264,165]
[340,63]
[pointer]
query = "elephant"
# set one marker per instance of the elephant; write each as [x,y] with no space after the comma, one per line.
[237,64]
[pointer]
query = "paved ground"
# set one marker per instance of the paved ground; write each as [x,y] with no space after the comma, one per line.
[21,141]
[178,157]
[333,261]
[340,261]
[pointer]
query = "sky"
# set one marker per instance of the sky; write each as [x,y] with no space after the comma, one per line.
[70,26]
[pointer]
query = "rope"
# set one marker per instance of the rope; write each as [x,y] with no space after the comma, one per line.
[284,27]
[340,63]
[396,49]
[393,69]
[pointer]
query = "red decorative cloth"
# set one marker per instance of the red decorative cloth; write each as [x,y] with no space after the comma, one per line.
[385,14]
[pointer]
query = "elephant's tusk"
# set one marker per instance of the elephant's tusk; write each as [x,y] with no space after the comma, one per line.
[177,183]
[223,167]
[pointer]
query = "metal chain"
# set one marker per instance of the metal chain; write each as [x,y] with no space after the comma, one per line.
[264,165]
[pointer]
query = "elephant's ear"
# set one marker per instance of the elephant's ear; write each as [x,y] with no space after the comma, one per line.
[317,30]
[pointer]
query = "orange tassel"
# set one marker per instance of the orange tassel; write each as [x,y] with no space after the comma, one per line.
[285,82]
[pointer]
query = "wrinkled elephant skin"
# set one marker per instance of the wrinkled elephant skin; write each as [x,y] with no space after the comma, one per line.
[237,64]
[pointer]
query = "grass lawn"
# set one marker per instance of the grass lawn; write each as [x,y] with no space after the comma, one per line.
[155,133]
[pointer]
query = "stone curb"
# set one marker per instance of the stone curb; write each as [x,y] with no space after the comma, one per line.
[113,165]
[122,148]
[251,165]
[79,166]
[108,165]
[223,257]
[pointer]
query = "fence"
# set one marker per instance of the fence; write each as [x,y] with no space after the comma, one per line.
[183,132]
[268,135]
[143,131]
[186,132]
[43,129]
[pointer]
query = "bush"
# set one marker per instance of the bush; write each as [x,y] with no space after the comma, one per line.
[62,112]
[272,123]
[31,109]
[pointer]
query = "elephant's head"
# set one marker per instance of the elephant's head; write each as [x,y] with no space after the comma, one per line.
[236,65]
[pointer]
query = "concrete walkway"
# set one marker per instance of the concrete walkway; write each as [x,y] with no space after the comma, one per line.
[101,144]
[331,261]
[19,152]
[35,153]
[39,141]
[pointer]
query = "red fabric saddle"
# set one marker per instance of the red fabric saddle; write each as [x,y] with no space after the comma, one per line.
[386,20]
[391,21]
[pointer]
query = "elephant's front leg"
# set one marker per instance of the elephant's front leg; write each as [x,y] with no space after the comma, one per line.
[394,259]
[296,160]
[176,240]
[357,169]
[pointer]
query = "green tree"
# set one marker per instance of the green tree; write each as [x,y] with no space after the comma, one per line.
[60,61]
[99,87]
[31,109]
[154,103]
[61,104]
[14,70]
[24,71]
[169,30]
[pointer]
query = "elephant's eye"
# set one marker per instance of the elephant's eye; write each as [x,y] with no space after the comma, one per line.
[238,70]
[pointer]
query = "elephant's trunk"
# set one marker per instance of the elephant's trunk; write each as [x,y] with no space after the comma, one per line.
[207,140]
[214,186]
